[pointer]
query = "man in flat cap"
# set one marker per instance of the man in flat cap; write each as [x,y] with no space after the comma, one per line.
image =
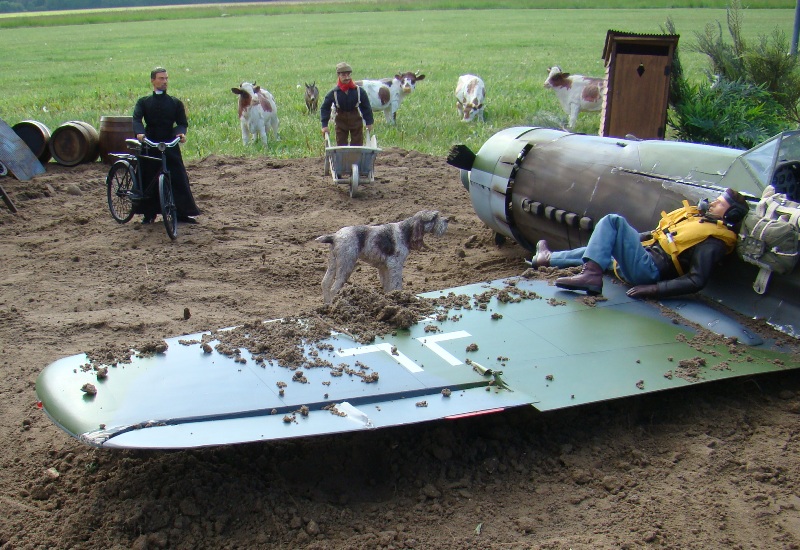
[352,108]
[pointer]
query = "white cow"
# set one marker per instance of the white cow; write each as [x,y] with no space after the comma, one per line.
[470,95]
[387,94]
[257,112]
[576,92]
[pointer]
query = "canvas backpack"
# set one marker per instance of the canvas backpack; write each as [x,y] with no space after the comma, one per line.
[769,237]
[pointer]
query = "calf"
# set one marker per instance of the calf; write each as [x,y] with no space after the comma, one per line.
[387,94]
[312,97]
[470,94]
[257,112]
[576,92]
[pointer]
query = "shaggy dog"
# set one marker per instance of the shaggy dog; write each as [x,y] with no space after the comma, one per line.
[385,247]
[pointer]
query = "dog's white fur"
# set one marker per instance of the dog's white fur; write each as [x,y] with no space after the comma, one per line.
[385,247]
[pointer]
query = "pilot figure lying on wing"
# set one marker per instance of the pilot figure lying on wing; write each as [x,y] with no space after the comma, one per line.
[675,258]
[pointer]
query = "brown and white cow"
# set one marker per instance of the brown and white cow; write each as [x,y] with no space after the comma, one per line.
[258,112]
[576,92]
[470,95]
[387,94]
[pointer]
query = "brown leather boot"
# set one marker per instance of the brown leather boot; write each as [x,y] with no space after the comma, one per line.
[542,256]
[590,279]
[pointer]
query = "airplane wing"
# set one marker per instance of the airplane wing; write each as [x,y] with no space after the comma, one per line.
[508,343]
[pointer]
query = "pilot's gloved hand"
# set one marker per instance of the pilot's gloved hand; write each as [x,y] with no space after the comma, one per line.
[643,291]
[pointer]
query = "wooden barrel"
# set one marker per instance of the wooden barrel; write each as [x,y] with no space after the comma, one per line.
[36,136]
[74,142]
[114,130]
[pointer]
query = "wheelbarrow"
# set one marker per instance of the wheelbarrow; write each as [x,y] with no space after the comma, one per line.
[351,164]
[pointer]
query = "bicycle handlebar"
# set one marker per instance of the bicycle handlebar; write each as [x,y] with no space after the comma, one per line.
[165,145]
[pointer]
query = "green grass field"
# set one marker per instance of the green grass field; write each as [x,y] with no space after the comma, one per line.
[55,74]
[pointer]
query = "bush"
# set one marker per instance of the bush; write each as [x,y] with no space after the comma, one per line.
[767,63]
[726,59]
[11,7]
[732,114]
[755,90]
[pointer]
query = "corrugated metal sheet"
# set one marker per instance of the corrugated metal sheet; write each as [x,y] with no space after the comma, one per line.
[17,156]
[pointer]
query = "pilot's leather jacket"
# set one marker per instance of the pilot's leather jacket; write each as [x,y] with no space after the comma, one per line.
[697,262]
[685,247]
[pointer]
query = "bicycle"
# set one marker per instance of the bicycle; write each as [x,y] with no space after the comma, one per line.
[124,183]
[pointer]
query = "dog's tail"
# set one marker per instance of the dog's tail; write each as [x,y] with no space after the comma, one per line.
[325,239]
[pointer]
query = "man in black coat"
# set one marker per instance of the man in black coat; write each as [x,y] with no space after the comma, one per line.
[353,110]
[161,117]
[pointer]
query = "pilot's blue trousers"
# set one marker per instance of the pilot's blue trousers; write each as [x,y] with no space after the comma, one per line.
[613,238]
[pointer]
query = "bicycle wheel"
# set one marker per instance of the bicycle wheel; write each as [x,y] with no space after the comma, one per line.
[168,211]
[119,184]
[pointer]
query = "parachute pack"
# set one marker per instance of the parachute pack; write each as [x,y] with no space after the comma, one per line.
[769,237]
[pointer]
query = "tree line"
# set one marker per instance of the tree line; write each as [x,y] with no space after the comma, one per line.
[21,6]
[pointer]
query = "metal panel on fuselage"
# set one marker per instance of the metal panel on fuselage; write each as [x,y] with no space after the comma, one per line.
[583,176]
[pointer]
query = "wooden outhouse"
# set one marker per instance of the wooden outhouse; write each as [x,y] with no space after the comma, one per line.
[638,70]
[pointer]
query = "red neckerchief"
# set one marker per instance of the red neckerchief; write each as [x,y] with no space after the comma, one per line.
[349,86]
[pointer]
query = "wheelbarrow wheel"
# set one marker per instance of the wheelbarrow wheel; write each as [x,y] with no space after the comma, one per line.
[354,180]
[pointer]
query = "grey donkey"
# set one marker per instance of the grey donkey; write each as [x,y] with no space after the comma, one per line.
[385,247]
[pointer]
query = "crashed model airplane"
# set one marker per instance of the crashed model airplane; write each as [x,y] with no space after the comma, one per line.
[508,343]
[537,183]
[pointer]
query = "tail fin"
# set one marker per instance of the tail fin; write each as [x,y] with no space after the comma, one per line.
[461,157]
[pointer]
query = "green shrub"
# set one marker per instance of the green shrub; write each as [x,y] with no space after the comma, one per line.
[729,113]
[755,93]
[726,59]
[678,85]
[767,64]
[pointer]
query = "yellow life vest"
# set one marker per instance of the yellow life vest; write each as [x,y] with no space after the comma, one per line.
[685,227]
